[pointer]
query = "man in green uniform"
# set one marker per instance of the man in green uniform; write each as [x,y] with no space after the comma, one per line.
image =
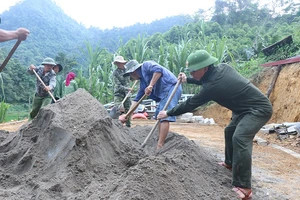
[251,109]
[48,76]
[59,82]
[121,85]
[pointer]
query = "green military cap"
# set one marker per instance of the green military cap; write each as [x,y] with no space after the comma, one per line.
[48,61]
[199,60]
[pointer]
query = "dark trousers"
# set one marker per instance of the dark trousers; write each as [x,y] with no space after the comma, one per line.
[37,104]
[239,136]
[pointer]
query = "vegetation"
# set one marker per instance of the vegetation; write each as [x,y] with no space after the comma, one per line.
[236,33]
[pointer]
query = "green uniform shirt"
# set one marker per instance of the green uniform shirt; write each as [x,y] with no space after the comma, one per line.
[58,88]
[121,84]
[224,85]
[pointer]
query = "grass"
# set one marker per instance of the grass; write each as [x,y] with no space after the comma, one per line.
[16,112]
[15,116]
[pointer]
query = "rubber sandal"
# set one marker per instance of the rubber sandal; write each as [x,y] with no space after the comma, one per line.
[225,165]
[242,194]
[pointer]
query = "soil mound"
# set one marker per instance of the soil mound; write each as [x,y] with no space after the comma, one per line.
[74,150]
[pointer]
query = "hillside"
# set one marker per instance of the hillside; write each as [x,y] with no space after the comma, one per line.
[53,31]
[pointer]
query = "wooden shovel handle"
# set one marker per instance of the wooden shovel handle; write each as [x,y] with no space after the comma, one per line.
[12,51]
[164,108]
[43,84]
[127,95]
[135,106]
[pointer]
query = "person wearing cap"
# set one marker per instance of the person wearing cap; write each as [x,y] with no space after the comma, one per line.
[59,82]
[48,76]
[251,109]
[70,84]
[157,82]
[20,34]
[121,85]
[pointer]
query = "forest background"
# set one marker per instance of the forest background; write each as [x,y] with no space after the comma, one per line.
[234,31]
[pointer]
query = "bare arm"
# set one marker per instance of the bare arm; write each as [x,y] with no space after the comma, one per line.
[153,81]
[20,33]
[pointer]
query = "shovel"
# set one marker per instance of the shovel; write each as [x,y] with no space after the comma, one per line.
[116,110]
[134,107]
[12,51]
[164,108]
[121,106]
[43,84]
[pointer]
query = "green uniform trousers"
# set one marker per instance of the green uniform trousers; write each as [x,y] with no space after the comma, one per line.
[239,136]
[37,104]
[127,104]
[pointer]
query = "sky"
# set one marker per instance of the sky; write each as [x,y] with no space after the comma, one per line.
[121,13]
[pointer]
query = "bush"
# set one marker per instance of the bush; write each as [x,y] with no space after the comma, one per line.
[3,109]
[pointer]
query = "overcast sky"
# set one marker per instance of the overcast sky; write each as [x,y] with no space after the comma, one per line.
[121,13]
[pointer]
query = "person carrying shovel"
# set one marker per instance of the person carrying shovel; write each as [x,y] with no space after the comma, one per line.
[157,83]
[20,34]
[251,109]
[121,87]
[45,84]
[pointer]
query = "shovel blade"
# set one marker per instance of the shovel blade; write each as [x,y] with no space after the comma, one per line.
[121,108]
[114,113]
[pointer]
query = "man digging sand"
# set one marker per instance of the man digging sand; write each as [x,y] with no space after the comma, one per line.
[157,83]
[251,109]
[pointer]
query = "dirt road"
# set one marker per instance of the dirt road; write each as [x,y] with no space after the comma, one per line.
[275,172]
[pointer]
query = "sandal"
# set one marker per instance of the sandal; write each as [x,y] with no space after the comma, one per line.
[225,165]
[242,194]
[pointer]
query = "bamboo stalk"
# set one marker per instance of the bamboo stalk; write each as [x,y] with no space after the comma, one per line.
[272,84]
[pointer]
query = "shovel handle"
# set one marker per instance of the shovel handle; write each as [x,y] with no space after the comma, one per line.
[127,95]
[135,106]
[43,84]
[164,108]
[12,51]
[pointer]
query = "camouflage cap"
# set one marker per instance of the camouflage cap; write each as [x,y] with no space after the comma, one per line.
[131,66]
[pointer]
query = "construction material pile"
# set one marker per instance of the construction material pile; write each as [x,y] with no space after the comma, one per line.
[74,150]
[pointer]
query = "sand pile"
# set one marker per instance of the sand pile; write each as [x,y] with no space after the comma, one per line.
[73,150]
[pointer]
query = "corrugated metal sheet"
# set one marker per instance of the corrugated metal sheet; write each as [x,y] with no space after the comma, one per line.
[282,62]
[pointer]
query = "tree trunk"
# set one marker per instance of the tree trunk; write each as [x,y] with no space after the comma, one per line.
[272,84]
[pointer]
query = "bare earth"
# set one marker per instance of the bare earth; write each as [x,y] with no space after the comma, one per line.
[275,172]
[89,156]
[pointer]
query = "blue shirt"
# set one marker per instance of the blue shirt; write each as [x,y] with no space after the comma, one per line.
[163,84]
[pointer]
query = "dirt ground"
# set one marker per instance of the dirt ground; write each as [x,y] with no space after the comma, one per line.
[275,172]
[73,151]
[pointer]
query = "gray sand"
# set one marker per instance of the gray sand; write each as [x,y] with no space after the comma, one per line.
[74,150]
